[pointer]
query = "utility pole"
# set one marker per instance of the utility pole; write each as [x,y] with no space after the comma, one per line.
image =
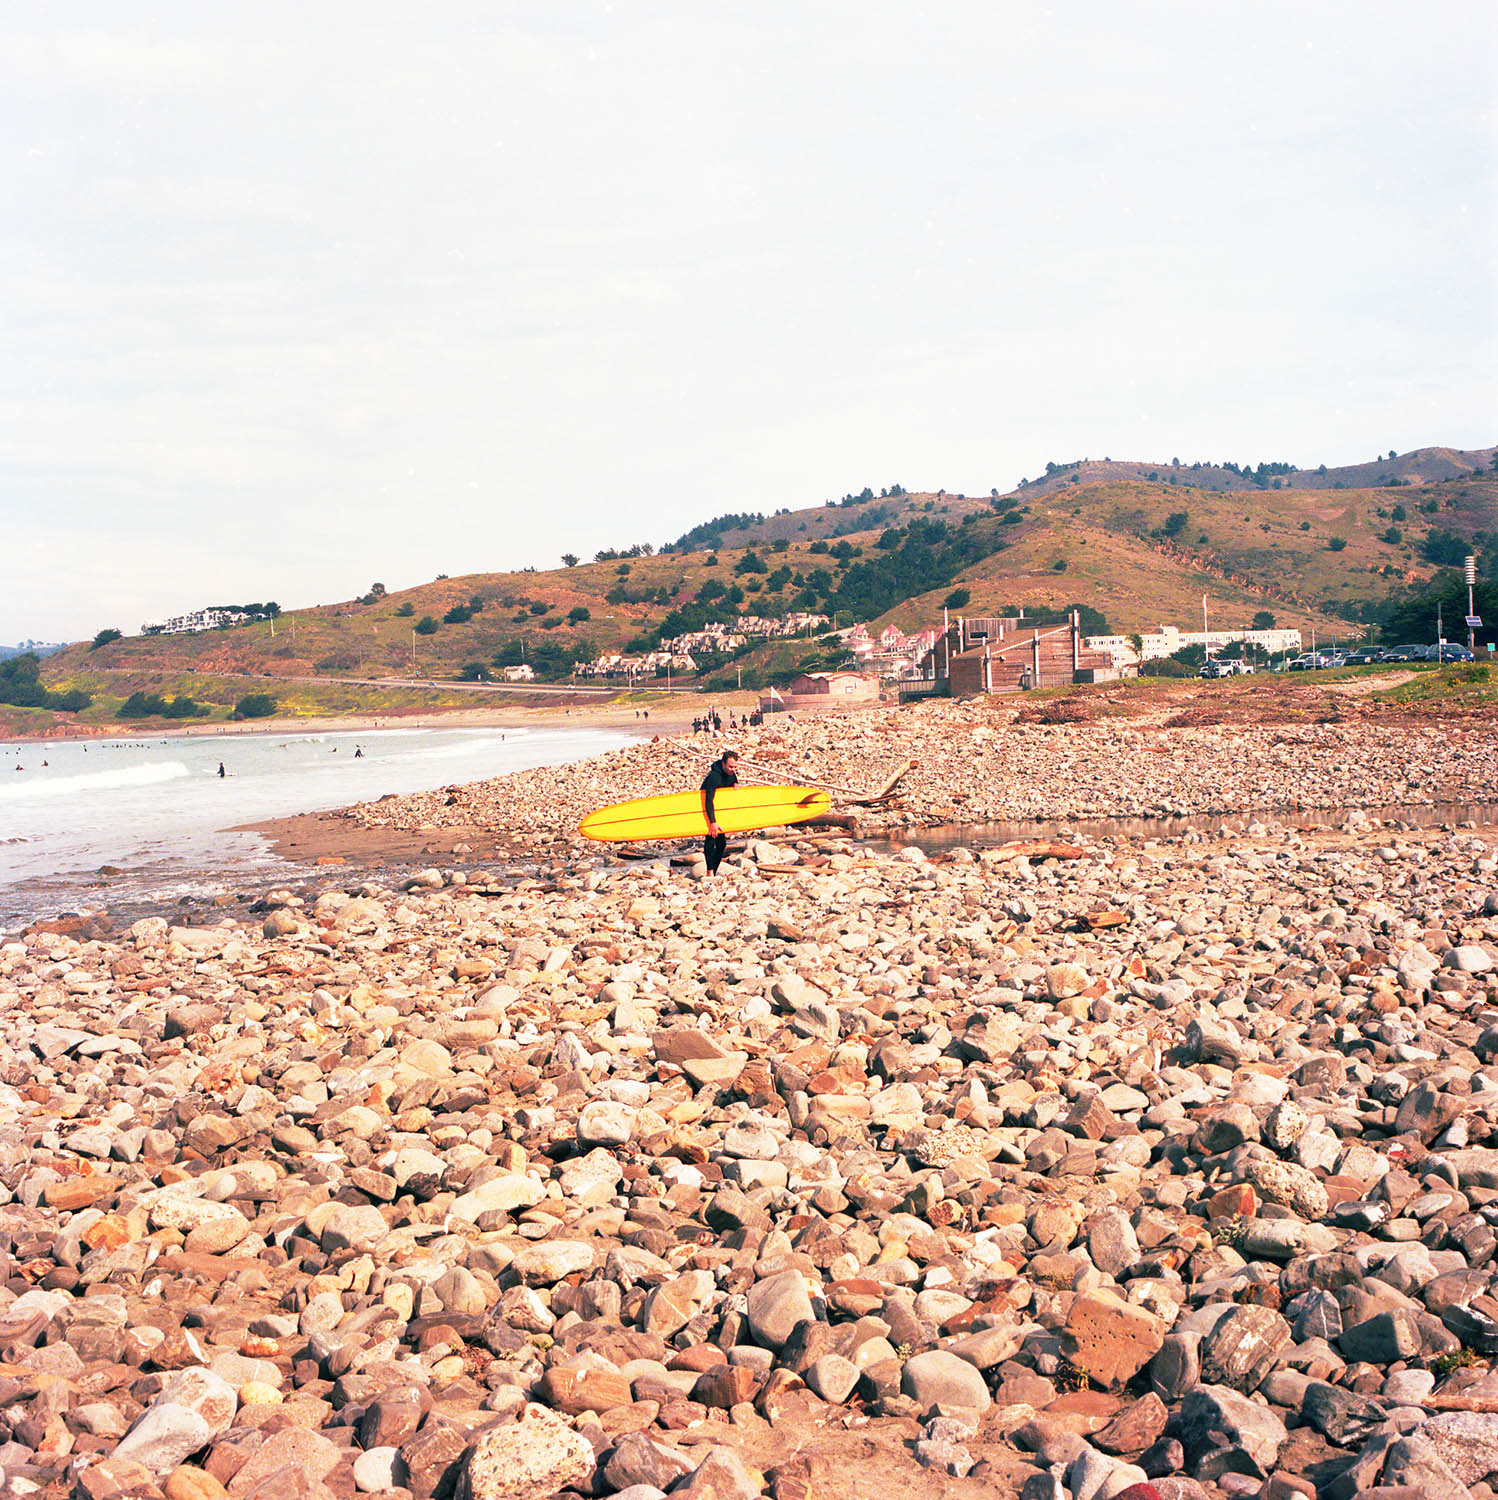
[1440,635]
[413,648]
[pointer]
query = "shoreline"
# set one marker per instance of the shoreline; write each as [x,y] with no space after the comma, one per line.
[664,717]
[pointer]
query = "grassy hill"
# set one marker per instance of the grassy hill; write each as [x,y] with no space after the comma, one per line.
[1141,550]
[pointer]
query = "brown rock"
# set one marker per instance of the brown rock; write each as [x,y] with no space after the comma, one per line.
[1108,1339]
[1135,1427]
[574,1391]
[725,1386]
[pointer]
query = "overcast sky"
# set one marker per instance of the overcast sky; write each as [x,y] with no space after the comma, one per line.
[297,297]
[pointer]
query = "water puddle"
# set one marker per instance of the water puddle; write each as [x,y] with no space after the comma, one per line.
[987,835]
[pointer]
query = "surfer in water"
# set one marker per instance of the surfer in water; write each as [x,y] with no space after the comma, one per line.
[723,773]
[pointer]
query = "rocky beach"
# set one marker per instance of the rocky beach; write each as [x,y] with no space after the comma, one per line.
[1079,1168]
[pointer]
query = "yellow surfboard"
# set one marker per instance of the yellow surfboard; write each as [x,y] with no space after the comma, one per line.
[680,815]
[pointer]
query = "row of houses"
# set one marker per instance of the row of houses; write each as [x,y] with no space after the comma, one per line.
[647,664]
[892,656]
[718,638]
[199,619]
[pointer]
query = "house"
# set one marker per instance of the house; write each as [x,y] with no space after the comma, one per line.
[524,672]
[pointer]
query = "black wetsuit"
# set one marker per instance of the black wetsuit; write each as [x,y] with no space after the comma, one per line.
[716,844]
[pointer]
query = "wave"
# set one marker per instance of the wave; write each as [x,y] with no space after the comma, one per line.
[97,781]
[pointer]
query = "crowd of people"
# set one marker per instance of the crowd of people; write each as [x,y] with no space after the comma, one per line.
[711,722]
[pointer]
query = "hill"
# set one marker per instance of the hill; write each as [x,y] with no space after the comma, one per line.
[1314,550]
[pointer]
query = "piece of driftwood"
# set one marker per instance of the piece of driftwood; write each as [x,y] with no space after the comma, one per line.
[853,795]
[1458,1403]
[1038,849]
[887,790]
[846,822]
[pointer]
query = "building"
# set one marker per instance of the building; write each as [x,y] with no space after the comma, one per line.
[521,673]
[199,619]
[1166,640]
[1002,654]
[823,689]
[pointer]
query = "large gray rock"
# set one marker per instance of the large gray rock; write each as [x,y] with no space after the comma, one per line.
[1467,1443]
[1253,1428]
[937,1378]
[1382,1339]
[164,1437]
[638,1459]
[1243,1347]
[776,1305]
[1414,1462]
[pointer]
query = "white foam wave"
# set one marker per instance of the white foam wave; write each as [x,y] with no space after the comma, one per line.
[15,790]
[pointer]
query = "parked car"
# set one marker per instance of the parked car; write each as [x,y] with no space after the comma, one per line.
[1405,653]
[1449,651]
[1306,663]
[1366,656]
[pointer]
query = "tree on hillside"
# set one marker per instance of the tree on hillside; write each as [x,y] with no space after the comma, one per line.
[1445,548]
[254,706]
[1175,523]
[426,625]
[1264,620]
[569,559]
[406,610]
[104,637]
[20,684]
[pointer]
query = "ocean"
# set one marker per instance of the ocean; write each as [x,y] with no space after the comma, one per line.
[157,809]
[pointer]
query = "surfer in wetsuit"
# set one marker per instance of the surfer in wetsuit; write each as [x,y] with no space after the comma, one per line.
[723,773]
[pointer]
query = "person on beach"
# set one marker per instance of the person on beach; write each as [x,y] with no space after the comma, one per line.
[221,770]
[723,773]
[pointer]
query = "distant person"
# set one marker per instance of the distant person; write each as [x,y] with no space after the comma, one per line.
[358,752]
[723,773]
[222,773]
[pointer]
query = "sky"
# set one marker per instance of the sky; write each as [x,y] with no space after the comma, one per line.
[295,298]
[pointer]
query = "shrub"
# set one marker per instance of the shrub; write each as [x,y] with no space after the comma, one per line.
[154,706]
[254,706]
[426,625]
[1164,667]
[1336,543]
[578,613]
[956,599]
[406,610]
[459,614]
